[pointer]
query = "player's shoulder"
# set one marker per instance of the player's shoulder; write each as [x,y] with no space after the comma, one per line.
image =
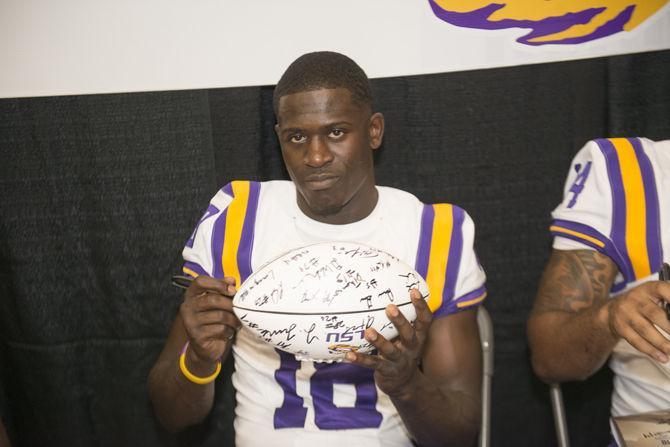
[594,152]
[443,214]
[609,150]
[604,162]
[404,197]
[277,186]
[621,161]
[611,183]
[661,145]
[658,152]
[250,189]
[398,196]
[452,212]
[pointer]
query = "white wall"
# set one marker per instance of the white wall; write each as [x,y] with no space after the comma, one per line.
[59,47]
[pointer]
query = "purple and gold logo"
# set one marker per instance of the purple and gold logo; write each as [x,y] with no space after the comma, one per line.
[549,21]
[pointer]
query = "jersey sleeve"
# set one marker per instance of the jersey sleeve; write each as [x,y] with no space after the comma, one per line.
[446,259]
[222,240]
[610,204]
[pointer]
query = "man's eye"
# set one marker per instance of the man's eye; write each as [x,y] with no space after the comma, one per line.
[336,133]
[297,138]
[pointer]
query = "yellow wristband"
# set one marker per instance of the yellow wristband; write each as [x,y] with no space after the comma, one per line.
[192,377]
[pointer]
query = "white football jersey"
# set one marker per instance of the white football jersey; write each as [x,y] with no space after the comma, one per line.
[285,402]
[617,201]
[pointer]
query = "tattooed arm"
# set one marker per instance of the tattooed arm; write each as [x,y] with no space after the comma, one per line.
[568,328]
[574,325]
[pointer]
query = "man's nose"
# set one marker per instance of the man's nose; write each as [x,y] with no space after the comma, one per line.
[318,153]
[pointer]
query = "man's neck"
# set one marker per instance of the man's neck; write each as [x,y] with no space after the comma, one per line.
[358,208]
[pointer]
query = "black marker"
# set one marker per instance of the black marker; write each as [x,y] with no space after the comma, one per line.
[183,282]
[664,275]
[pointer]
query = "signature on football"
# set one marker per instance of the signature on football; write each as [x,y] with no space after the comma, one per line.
[357,252]
[274,296]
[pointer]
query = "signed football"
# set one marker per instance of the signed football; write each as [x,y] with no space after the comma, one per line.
[316,301]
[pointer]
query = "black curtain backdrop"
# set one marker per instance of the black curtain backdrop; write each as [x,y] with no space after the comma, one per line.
[100,192]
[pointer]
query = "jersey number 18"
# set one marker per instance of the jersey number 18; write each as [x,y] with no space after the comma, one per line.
[327,416]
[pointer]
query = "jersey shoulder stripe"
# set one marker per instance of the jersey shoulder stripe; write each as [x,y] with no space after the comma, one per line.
[439,255]
[233,232]
[196,260]
[593,238]
[635,229]
[619,212]
[235,243]
[435,246]
[469,299]
[193,269]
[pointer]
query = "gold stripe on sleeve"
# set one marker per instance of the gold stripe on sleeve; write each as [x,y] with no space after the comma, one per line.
[586,237]
[233,233]
[467,303]
[443,224]
[188,271]
[636,215]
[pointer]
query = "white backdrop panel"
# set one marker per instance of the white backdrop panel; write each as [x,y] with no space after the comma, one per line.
[99,46]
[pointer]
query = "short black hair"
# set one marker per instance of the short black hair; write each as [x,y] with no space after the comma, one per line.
[324,69]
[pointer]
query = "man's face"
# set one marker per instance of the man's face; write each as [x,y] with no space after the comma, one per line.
[327,141]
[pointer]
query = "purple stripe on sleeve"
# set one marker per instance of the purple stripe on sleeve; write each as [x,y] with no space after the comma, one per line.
[573,237]
[247,239]
[218,235]
[455,254]
[195,267]
[446,309]
[609,249]
[425,239]
[228,189]
[452,306]
[654,248]
[584,229]
[471,295]
[618,232]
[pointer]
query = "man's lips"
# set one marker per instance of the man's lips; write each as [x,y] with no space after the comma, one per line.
[319,182]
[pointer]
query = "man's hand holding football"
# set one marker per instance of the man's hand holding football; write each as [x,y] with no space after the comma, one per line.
[398,360]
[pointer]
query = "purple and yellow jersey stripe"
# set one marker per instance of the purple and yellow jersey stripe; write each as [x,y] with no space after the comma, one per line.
[439,256]
[634,242]
[233,233]
[193,270]
[589,236]
[469,299]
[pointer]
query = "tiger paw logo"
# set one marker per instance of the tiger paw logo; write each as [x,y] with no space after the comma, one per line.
[550,21]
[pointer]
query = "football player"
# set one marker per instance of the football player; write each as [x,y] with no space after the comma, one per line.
[599,296]
[422,387]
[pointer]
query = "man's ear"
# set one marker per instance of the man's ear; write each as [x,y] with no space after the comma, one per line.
[376,130]
[277,129]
